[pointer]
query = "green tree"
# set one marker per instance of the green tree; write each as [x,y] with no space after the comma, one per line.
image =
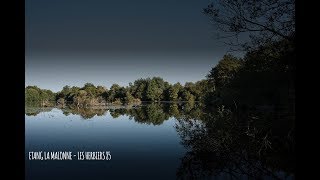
[42,97]
[65,90]
[90,89]
[31,95]
[154,90]
[224,72]
[201,89]
[139,88]
[101,90]
[174,91]
[128,98]
[187,96]
[112,93]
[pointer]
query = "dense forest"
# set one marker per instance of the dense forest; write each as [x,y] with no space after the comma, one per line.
[264,76]
[149,89]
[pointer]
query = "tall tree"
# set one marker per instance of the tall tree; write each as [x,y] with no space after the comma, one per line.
[31,95]
[225,71]
[174,91]
[154,91]
[139,88]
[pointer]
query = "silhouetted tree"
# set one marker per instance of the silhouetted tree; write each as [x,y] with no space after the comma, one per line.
[260,21]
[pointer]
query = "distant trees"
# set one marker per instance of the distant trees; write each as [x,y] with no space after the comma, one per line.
[263,76]
[33,94]
[149,89]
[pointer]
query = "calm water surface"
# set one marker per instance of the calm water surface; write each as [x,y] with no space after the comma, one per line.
[148,142]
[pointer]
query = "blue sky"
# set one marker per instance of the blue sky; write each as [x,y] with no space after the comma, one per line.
[107,41]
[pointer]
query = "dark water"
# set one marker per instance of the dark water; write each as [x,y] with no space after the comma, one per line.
[160,141]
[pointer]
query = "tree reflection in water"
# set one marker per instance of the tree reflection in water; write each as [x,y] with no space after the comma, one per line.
[219,142]
[34,111]
[224,144]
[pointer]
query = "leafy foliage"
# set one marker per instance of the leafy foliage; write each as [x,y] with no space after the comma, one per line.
[149,89]
[264,77]
[225,71]
[44,97]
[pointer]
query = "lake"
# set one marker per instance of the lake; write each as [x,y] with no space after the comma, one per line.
[157,141]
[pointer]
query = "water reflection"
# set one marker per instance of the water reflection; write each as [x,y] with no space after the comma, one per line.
[35,110]
[220,142]
[251,145]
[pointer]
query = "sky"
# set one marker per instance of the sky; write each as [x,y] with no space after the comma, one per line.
[72,42]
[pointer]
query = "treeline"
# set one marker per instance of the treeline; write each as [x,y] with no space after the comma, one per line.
[42,97]
[265,31]
[265,76]
[150,89]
